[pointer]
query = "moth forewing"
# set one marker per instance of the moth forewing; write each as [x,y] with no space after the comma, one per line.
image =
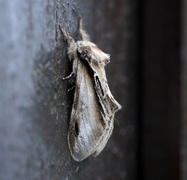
[85,127]
[93,109]
[107,133]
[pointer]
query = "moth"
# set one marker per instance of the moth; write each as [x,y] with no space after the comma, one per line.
[93,109]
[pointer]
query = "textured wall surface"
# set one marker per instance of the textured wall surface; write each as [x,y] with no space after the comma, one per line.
[160,129]
[34,103]
[183,141]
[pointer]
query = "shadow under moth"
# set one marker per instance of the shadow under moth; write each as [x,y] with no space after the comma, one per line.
[93,109]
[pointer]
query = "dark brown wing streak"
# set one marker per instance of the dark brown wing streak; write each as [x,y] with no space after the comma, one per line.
[86,126]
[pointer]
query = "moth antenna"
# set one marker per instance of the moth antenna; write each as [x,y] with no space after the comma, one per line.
[75,11]
[68,38]
[83,34]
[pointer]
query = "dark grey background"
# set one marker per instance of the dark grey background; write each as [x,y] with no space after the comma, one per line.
[147,75]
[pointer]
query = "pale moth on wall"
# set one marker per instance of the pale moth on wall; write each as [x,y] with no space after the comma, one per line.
[92,115]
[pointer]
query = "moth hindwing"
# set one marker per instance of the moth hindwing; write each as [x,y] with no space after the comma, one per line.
[92,115]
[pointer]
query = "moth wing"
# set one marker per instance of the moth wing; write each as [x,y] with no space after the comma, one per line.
[109,105]
[98,60]
[86,123]
[103,141]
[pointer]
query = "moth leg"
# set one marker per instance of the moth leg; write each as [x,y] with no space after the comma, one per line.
[74,70]
[83,34]
[70,89]
[69,76]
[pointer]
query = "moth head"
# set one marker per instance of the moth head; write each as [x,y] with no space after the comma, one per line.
[91,53]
